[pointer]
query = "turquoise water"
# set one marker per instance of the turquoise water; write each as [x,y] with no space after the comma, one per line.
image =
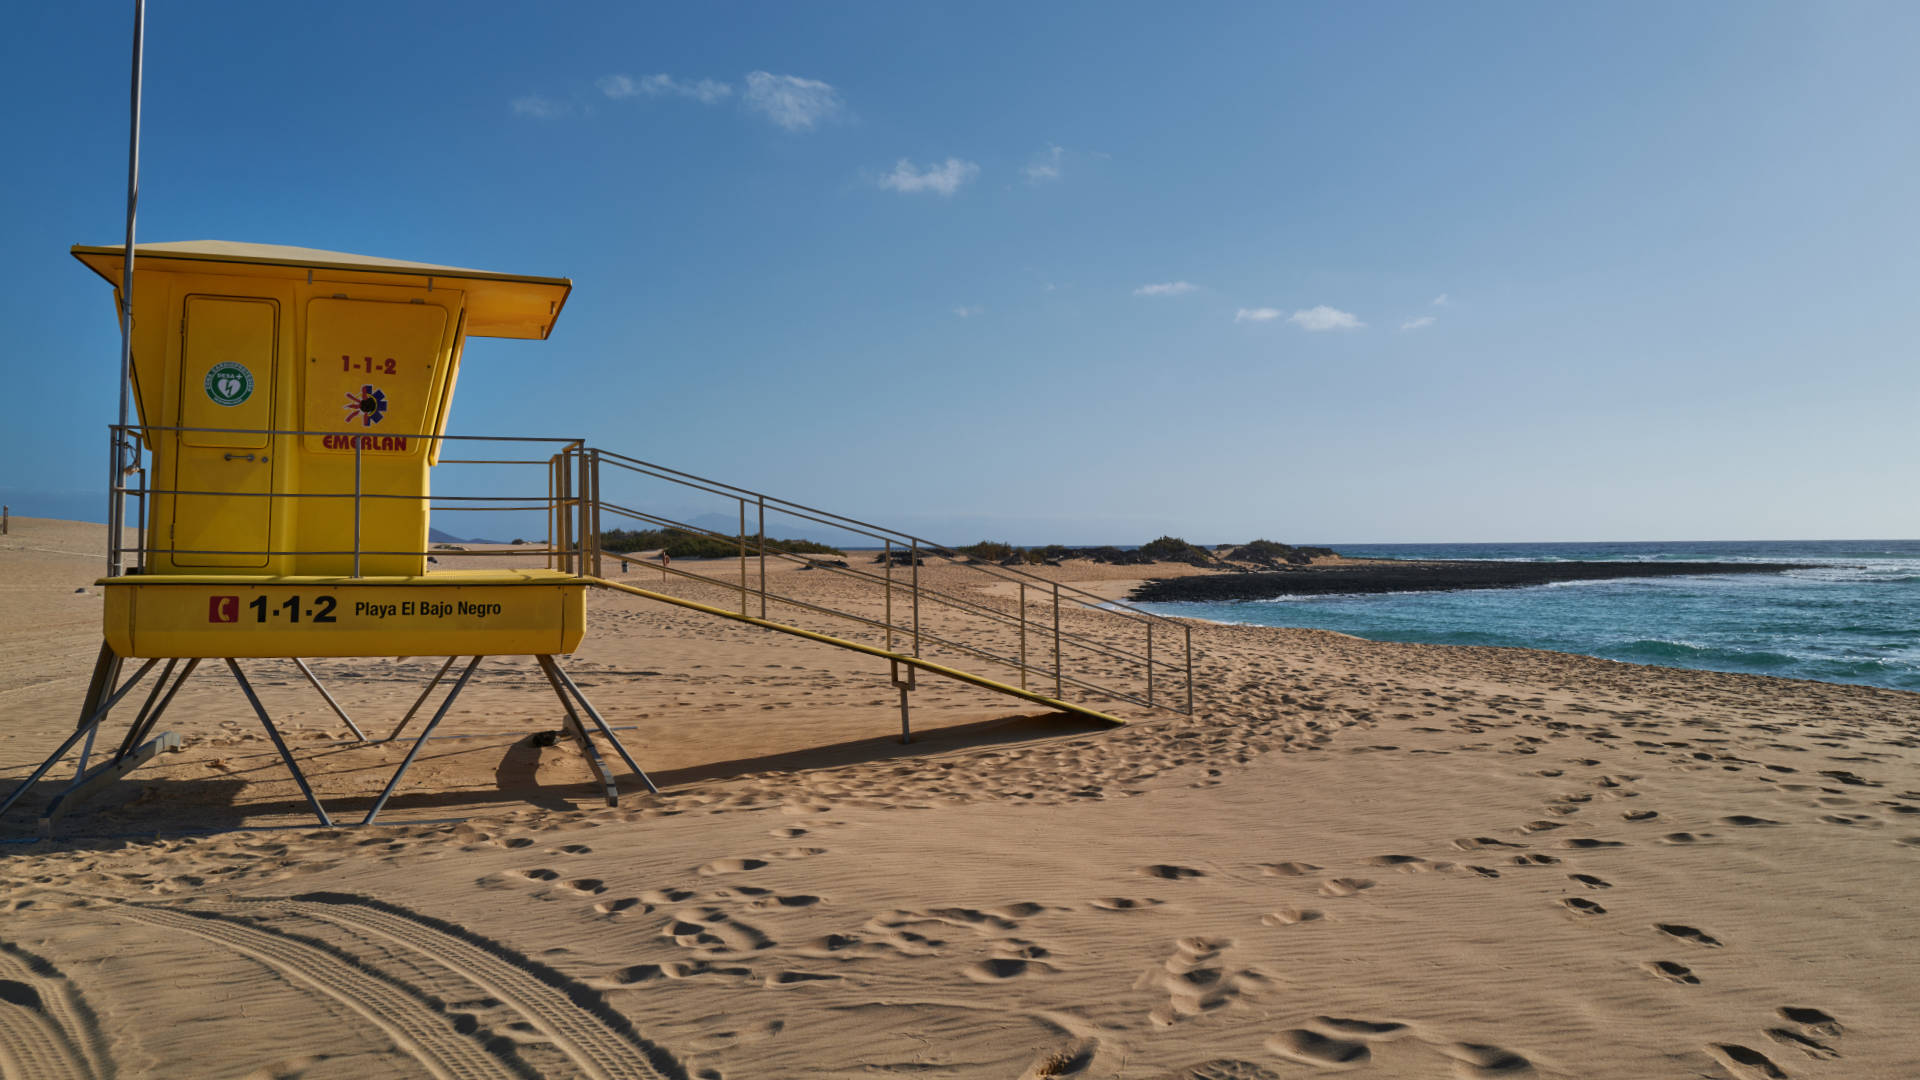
[1853,616]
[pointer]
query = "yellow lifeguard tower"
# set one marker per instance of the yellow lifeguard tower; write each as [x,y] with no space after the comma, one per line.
[294,402]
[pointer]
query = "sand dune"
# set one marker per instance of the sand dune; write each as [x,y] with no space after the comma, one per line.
[1376,859]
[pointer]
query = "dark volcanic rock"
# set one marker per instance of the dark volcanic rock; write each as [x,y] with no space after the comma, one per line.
[1421,577]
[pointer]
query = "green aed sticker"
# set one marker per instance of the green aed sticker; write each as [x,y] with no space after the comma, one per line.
[229,383]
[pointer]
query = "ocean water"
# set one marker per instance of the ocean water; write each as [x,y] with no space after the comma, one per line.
[1853,616]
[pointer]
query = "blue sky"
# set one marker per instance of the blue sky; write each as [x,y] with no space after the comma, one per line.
[1065,273]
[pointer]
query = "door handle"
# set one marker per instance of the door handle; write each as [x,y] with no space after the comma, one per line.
[244,457]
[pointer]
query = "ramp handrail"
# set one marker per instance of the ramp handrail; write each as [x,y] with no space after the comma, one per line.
[1146,676]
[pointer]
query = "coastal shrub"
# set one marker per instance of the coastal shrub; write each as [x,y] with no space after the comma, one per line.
[681,544]
[987,550]
[1174,549]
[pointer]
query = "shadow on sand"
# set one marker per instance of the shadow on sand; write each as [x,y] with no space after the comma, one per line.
[147,805]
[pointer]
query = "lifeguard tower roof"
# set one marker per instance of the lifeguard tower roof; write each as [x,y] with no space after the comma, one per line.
[497,305]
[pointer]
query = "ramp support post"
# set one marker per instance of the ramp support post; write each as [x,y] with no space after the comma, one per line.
[905,685]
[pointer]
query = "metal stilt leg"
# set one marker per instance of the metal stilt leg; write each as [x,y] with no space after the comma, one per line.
[579,732]
[285,754]
[106,672]
[142,727]
[334,705]
[554,670]
[87,726]
[439,715]
[133,729]
[421,700]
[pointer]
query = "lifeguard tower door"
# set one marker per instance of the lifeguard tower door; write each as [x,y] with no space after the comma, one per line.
[228,377]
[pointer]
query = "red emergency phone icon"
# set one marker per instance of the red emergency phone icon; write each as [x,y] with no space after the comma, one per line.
[223,609]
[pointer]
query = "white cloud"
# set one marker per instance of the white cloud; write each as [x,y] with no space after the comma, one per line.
[539,107]
[944,179]
[790,101]
[705,91]
[1258,314]
[1045,165]
[966,312]
[1323,317]
[1166,288]
[1417,324]
[1438,301]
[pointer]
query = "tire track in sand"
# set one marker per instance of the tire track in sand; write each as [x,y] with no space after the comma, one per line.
[45,1033]
[598,1040]
[411,1021]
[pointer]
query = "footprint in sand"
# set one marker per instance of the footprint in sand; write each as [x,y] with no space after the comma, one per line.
[1290,916]
[1475,843]
[770,903]
[1195,982]
[1483,1059]
[1806,1044]
[1630,815]
[1117,903]
[1409,864]
[1580,905]
[1002,968]
[585,886]
[1670,971]
[1370,1030]
[729,866]
[1815,1020]
[1745,820]
[1169,872]
[1745,1063]
[1586,842]
[1535,860]
[1279,869]
[620,906]
[1345,886]
[792,978]
[1588,880]
[1313,1048]
[1688,933]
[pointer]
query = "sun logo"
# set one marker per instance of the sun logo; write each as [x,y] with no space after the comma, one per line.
[369,405]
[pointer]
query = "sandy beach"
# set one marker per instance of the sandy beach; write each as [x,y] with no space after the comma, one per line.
[1382,859]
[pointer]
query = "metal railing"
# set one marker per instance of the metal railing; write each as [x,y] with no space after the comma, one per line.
[1054,635]
[145,488]
[992,612]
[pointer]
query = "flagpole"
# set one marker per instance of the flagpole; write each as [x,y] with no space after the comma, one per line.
[116,508]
